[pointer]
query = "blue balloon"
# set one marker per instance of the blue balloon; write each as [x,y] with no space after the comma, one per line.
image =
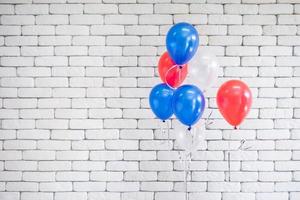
[188,104]
[160,100]
[182,42]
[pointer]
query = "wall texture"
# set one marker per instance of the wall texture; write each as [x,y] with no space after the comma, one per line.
[75,120]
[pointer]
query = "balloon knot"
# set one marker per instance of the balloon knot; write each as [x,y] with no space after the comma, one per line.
[189,128]
[180,66]
[235,128]
[163,121]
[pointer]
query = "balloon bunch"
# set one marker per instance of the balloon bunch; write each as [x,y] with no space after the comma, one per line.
[187,102]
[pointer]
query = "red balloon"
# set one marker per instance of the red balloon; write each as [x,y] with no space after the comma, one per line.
[171,73]
[234,100]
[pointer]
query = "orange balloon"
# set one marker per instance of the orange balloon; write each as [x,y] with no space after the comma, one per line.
[171,73]
[234,100]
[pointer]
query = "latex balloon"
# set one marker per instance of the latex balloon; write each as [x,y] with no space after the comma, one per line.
[189,140]
[234,100]
[182,42]
[188,104]
[203,69]
[160,101]
[171,73]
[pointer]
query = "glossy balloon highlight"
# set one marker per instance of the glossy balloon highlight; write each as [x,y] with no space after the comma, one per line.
[234,101]
[182,42]
[188,104]
[160,100]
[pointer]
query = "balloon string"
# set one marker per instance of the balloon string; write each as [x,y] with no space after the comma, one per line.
[187,162]
[169,139]
[174,66]
[163,131]
[228,159]
[240,148]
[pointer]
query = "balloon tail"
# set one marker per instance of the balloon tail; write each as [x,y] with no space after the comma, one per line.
[180,68]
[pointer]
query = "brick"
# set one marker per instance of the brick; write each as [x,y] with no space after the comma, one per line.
[31,9]
[259,40]
[56,186]
[51,61]
[245,30]
[225,40]
[274,195]
[38,155]
[276,9]
[88,165]
[276,51]
[223,187]
[242,51]
[105,51]
[289,19]
[68,71]
[88,145]
[122,40]
[69,92]
[21,186]
[70,195]
[36,195]
[156,186]
[121,19]
[66,8]
[37,51]
[100,8]
[107,30]
[122,166]
[224,19]
[154,19]
[279,30]
[54,165]
[142,30]
[7,9]
[10,30]
[206,8]
[38,30]
[170,9]
[71,50]
[52,19]
[72,30]
[54,40]
[86,124]
[136,8]
[240,9]
[88,40]
[86,19]
[17,82]
[21,40]
[17,19]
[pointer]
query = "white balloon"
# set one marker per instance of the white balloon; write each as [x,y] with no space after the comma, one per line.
[191,140]
[203,69]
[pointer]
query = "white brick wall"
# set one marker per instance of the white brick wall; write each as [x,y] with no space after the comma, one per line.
[74,115]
